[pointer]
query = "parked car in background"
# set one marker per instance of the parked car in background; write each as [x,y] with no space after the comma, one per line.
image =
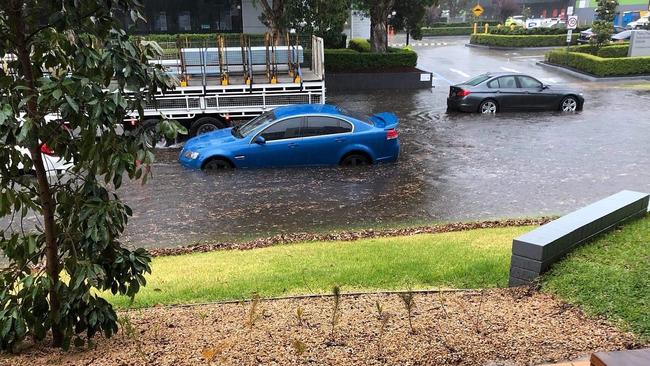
[623,36]
[516,20]
[54,165]
[297,135]
[586,35]
[640,23]
[498,92]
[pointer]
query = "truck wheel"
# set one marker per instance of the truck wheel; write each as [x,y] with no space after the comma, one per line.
[205,125]
[151,124]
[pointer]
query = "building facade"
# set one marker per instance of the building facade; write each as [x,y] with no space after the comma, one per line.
[585,10]
[201,16]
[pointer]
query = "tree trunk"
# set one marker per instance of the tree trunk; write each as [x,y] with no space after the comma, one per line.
[408,34]
[379,25]
[274,15]
[45,194]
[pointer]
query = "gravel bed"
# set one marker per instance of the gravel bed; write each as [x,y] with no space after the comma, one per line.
[490,327]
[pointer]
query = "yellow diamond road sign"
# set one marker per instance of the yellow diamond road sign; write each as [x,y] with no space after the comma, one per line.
[477,10]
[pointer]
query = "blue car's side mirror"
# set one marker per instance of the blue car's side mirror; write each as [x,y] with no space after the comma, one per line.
[259,140]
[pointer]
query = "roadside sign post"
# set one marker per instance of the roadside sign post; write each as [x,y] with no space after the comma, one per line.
[477,10]
[571,24]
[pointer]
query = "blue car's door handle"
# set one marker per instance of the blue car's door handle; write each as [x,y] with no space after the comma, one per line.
[293,144]
[340,139]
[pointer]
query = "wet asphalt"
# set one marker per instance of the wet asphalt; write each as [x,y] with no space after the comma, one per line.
[452,166]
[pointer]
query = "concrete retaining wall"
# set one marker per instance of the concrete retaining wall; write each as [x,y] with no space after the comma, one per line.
[533,253]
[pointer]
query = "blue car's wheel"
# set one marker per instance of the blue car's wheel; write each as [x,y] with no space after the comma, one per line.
[355,160]
[217,164]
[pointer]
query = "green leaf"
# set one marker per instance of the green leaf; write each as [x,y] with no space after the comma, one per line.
[72,103]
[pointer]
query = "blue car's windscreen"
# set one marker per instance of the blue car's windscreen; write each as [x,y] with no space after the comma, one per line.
[252,125]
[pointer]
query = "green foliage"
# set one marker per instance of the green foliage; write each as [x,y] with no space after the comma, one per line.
[608,51]
[532,31]
[600,66]
[609,277]
[450,31]
[409,16]
[349,60]
[463,24]
[603,26]
[359,45]
[324,18]
[85,51]
[520,41]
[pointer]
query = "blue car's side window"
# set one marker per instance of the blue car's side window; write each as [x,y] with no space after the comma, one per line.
[286,129]
[322,125]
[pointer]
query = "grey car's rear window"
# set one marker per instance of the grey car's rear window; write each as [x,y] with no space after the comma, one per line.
[477,80]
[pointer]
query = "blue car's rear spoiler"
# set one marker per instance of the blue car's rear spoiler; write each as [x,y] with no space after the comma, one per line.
[385,120]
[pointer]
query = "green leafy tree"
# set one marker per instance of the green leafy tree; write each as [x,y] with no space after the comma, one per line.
[409,17]
[70,57]
[378,11]
[455,7]
[324,18]
[274,16]
[603,26]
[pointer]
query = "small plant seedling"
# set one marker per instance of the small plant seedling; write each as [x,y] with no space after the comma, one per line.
[336,292]
[408,298]
[299,346]
[254,313]
[299,314]
[202,315]
[129,331]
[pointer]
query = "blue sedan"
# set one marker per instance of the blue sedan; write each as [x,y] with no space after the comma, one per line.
[297,135]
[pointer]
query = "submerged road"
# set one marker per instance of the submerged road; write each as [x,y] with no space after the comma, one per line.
[452,167]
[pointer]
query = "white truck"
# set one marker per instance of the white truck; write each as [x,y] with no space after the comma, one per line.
[222,85]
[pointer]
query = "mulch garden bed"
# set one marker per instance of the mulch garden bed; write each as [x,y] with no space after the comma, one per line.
[345,236]
[492,327]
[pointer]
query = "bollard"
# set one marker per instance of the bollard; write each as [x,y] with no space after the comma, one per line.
[475,25]
[486,28]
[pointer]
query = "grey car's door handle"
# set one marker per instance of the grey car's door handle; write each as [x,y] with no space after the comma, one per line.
[498,91]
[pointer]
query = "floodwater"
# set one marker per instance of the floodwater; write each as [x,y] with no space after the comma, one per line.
[452,167]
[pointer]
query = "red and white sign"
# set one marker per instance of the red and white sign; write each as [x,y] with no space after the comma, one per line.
[572,22]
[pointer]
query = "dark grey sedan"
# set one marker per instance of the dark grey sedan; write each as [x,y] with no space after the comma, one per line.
[497,92]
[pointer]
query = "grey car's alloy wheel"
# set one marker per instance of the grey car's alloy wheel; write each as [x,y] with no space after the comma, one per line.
[217,164]
[569,104]
[355,160]
[488,107]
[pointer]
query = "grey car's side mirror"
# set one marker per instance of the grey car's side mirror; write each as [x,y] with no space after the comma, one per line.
[260,140]
[544,87]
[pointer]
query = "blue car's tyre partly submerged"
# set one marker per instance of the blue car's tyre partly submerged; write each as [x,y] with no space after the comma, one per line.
[355,160]
[217,164]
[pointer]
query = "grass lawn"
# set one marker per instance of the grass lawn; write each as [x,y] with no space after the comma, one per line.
[610,277]
[465,259]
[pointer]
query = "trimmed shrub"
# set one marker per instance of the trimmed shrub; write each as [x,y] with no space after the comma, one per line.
[450,31]
[599,66]
[521,41]
[359,45]
[608,51]
[532,31]
[343,60]
[462,24]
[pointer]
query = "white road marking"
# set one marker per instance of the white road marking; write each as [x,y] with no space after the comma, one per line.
[509,70]
[459,72]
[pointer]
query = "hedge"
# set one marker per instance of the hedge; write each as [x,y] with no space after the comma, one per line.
[532,31]
[599,66]
[450,31]
[462,24]
[521,41]
[351,60]
[359,44]
[607,51]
